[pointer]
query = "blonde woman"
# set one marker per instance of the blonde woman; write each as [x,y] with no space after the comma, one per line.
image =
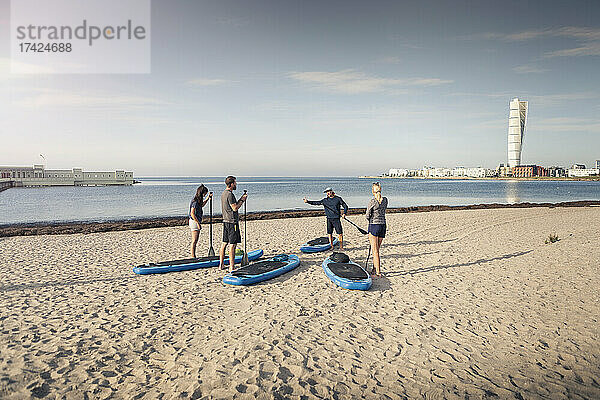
[376,216]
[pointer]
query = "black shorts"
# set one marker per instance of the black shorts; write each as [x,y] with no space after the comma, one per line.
[231,233]
[377,230]
[334,223]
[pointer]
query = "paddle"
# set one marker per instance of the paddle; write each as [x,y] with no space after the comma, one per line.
[245,258]
[211,251]
[361,230]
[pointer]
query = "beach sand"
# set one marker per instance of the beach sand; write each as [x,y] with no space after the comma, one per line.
[473,304]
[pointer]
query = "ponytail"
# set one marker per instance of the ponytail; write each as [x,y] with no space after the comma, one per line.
[377,192]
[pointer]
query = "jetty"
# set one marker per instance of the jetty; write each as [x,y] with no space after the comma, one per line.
[39,176]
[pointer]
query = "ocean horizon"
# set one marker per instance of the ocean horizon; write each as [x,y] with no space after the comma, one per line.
[156,197]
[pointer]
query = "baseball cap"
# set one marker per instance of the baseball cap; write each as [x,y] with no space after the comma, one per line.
[328,189]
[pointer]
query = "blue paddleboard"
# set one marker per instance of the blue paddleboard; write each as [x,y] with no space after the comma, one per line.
[319,244]
[190,263]
[348,275]
[262,270]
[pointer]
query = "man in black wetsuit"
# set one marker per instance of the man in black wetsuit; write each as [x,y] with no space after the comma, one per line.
[332,204]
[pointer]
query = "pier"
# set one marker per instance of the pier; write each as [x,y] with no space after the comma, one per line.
[39,176]
[5,183]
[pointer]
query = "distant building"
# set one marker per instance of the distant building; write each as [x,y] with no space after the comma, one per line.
[39,176]
[598,164]
[529,171]
[480,172]
[578,166]
[517,120]
[582,172]
[439,172]
[457,172]
[557,172]
[503,171]
[400,172]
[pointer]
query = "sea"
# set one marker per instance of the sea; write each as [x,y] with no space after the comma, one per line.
[171,196]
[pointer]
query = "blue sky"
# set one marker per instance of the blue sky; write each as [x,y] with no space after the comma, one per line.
[320,88]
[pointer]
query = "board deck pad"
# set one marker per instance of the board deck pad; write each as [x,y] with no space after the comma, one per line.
[258,268]
[180,262]
[318,241]
[349,271]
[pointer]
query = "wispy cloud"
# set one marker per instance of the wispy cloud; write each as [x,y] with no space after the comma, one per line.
[6,64]
[592,49]
[535,99]
[529,69]
[389,60]
[588,38]
[207,82]
[567,124]
[350,81]
[60,98]
[558,98]
[518,36]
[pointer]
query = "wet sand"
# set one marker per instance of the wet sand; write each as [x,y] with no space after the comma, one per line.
[472,304]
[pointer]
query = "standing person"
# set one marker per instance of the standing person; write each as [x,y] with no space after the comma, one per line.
[376,216]
[231,218]
[332,204]
[195,215]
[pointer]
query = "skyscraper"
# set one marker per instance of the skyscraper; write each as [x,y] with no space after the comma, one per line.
[517,120]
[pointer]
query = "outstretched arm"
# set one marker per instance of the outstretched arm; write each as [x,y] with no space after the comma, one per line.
[314,202]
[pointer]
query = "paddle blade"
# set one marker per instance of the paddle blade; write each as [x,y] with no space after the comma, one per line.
[211,252]
[361,230]
[245,260]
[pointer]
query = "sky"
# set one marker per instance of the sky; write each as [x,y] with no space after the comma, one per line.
[320,88]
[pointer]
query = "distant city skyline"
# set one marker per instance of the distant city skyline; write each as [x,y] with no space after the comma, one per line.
[266,88]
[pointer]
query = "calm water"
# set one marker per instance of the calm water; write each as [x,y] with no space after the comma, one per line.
[162,197]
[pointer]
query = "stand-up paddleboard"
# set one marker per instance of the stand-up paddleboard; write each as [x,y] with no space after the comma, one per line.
[262,270]
[348,275]
[318,244]
[190,263]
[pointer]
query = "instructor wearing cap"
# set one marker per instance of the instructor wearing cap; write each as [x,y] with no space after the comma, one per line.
[332,204]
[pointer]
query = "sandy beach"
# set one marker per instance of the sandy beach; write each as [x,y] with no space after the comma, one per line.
[473,304]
